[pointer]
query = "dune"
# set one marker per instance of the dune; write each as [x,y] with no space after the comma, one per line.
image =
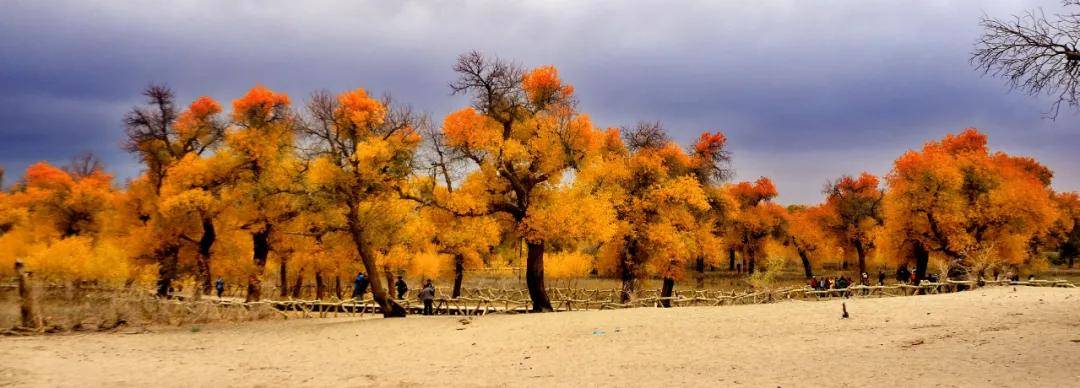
[998,336]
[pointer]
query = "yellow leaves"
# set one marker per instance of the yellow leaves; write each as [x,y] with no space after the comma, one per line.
[323,172]
[682,190]
[566,215]
[372,155]
[567,265]
[188,201]
[79,258]
[359,110]
[429,264]
[193,171]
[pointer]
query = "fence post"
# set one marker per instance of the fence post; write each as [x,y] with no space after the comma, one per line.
[27,305]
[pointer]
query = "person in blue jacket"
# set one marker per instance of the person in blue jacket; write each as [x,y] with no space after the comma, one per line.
[219,285]
[359,286]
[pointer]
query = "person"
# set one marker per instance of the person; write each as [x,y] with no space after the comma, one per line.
[359,286]
[427,295]
[826,283]
[865,279]
[219,285]
[902,274]
[813,282]
[401,287]
[881,278]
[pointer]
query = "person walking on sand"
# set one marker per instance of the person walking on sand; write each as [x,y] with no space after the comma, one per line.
[359,286]
[881,278]
[219,286]
[401,287]
[427,295]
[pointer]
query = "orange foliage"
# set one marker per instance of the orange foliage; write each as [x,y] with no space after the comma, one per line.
[955,199]
[543,86]
[259,105]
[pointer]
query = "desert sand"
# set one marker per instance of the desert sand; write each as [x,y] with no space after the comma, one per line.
[1001,336]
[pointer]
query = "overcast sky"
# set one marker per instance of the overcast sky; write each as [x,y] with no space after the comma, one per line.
[805,90]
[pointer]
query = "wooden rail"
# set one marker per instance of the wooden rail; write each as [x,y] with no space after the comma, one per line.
[482,301]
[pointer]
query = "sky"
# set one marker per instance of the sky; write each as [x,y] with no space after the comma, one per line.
[805,91]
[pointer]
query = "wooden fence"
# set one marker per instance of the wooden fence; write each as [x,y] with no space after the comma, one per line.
[482,301]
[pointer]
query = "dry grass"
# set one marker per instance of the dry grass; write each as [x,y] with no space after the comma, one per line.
[94,309]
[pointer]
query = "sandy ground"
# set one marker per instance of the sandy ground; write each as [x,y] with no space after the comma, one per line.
[993,337]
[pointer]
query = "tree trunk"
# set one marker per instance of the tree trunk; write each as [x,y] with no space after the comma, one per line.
[628,271]
[283,275]
[750,261]
[809,272]
[699,265]
[298,286]
[1071,259]
[861,253]
[337,286]
[260,244]
[167,268]
[922,260]
[320,286]
[666,292]
[389,282]
[356,231]
[209,235]
[731,259]
[534,277]
[459,274]
[28,309]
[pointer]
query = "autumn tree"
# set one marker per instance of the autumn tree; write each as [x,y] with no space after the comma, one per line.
[758,219]
[523,133]
[807,233]
[154,135]
[711,166]
[362,152]
[856,207]
[63,225]
[262,172]
[1064,234]
[957,199]
[466,237]
[664,209]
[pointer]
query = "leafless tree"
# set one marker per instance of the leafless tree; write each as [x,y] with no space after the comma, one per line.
[84,165]
[644,135]
[1035,52]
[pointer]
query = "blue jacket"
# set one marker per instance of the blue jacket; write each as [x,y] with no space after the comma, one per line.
[360,285]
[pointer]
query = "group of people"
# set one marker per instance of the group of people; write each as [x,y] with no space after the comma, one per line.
[905,276]
[426,294]
[839,282]
[843,282]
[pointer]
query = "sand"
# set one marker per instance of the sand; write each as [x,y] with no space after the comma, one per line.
[990,337]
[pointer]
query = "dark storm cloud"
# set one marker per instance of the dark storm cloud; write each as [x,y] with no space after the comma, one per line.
[805,90]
